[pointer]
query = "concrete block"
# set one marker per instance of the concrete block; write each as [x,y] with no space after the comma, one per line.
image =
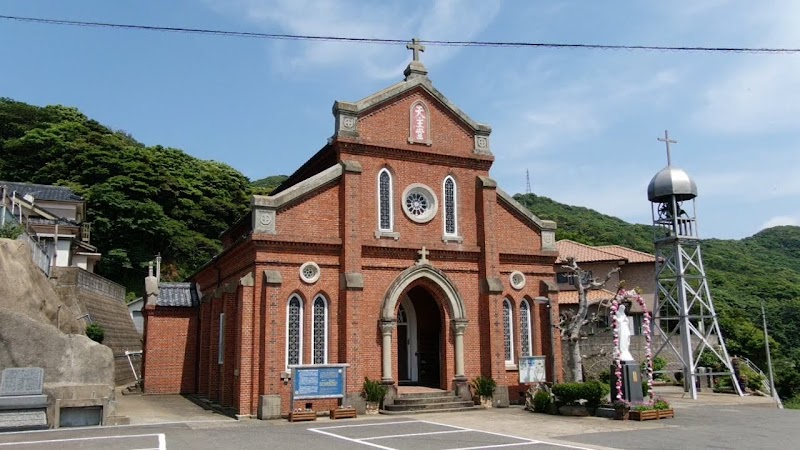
[269,407]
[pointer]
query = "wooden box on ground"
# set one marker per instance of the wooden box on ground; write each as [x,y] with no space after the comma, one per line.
[343,413]
[300,416]
[651,414]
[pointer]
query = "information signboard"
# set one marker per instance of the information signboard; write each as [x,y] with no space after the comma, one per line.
[319,381]
[532,369]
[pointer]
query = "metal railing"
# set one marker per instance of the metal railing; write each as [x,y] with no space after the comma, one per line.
[38,252]
[764,380]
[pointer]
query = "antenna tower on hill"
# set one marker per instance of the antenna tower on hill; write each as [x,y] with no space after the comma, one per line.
[527,182]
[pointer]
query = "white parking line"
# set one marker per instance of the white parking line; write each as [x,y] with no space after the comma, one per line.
[413,434]
[162,440]
[456,429]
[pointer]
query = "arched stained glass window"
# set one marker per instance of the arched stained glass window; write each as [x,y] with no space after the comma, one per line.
[450,210]
[320,330]
[508,332]
[294,330]
[385,218]
[526,343]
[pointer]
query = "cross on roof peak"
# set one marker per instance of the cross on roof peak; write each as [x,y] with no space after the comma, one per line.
[668,141]
[415,48]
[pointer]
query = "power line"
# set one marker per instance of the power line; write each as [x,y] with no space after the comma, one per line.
[363,40]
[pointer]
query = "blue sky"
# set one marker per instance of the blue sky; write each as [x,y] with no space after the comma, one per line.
[583,122]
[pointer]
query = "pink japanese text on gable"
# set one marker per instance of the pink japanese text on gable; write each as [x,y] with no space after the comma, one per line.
[419,124]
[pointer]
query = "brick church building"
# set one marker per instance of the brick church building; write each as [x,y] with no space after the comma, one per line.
[391,249]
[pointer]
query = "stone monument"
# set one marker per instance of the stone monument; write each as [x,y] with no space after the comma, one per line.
[22,404]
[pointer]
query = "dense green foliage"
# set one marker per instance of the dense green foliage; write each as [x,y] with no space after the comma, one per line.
[141,200]
[484,386]
[10,230]
[541,401]
[373,390]
[95,332]
[592,392]
[741,273]
[266,185]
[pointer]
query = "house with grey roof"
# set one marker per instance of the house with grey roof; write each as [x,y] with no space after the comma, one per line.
[55,217]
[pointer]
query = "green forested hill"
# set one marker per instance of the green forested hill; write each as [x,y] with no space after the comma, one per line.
[141,200]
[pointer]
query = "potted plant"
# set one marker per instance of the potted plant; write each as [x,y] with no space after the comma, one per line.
[374,392]
[484,389]
[622,409]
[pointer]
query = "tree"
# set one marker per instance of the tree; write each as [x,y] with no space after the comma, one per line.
[572,322]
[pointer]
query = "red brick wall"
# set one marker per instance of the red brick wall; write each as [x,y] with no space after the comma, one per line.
[335,227]
[171,350]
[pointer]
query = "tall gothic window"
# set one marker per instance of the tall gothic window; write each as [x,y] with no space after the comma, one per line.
[508,330]
[385,200]
[320,330]
[525,329]
[450,217]
[294,330]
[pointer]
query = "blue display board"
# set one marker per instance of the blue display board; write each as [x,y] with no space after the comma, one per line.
[532,370]
[319,381]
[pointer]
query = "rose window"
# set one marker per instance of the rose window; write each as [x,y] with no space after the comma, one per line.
[419,203]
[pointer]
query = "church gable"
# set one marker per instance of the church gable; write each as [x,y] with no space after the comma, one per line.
[412,115]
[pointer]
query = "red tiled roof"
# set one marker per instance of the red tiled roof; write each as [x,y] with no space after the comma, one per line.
[633,256]
[583,253]
[593,296]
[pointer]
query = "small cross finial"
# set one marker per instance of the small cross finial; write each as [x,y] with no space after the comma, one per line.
[423,256]
[415,47]
[668,141]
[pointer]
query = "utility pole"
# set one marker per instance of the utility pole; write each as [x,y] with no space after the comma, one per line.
[769,357]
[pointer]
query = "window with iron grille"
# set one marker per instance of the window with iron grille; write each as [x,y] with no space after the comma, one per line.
[450,227]
[508,328]
[294,331]
[385,201]
[320,331]
[525,329]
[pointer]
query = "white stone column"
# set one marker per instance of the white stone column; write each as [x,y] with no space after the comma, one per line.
[387,326]
[459,325]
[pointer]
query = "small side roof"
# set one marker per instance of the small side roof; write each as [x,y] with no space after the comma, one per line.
[583,253]
[633,256]
[42,191]
[183,295]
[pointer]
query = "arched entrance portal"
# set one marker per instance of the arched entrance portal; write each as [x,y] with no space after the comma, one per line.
[414,284]
[419,339]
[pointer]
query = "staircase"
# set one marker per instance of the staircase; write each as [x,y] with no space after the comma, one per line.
[428,402]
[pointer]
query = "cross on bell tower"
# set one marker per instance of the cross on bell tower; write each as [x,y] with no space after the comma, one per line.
[668,141]
[415,67]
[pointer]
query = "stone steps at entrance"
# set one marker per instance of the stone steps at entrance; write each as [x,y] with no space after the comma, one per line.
[425,402]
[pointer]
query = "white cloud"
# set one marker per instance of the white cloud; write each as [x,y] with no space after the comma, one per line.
[761,93]
[445,19]
[781,220]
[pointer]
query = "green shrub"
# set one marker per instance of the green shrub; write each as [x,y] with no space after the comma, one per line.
[541,401]
[484,386]
[660,403]
[593,392]
[604,377]
[754,381]
[374,391]
[10,230]
[792,403]
[95,332]
[645,387]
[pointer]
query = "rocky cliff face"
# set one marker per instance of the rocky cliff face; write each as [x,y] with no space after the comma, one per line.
[26,290]
[38,330]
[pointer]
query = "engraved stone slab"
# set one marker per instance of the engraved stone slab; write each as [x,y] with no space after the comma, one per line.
[23,420]
[264,220]
[22,381]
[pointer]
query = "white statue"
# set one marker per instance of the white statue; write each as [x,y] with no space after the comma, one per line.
[624,335]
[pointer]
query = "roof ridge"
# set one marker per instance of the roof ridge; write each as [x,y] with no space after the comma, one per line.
[627,248]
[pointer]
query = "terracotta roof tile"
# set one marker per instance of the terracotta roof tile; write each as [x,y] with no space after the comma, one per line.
[594,296]
[583,253]
[633,256]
